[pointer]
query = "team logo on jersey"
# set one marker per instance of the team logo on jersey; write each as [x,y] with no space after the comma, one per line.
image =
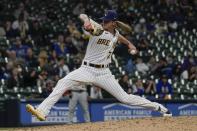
[103,42]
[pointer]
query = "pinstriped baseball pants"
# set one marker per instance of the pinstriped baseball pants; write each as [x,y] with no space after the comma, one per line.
[101,77]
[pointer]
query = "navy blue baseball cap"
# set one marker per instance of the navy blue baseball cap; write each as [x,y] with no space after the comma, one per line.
[110,15]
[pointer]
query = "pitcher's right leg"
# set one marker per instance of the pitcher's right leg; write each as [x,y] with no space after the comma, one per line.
[83,74]
[44,108]
[62,86]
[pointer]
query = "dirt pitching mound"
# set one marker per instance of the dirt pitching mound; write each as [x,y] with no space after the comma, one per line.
[141,124]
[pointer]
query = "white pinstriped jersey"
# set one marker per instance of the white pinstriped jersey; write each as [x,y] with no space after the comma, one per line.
[100,48]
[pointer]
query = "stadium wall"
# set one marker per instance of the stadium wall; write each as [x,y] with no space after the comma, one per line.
[13,113]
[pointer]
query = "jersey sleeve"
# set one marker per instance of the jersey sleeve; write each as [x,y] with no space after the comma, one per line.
[98,29]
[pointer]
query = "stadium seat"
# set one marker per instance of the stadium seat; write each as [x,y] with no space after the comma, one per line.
[54,16]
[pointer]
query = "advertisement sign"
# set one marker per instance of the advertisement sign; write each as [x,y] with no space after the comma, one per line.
[188,109]
[58,114]
[102,111]
[118,111]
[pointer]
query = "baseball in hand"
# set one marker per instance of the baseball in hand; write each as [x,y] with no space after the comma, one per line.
[133,52]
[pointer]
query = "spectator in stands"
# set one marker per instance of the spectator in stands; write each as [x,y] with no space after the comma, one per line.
[69,44]
[62,68]
[151,63]
[193,73]
[75,36]
[188,62]
[190,74]
[36,30]
[96,93]
[12,56]
[19,48]
[144,87]
[60,47]
[21,25]
[53,58]
[30,77]
[124,83]
[16,79]
[164,88]
[10,33]
[42,79]
[177,72]
[78,42]
[49,88]
[30,59]
[167,68]
[76,61]
[130,67]
[157,69]
[143,45]
[43,60]
[13,60]
[44,64]
[21,9]
[141,66]
[138,88]
[73,29]
[8,69]
[150,87]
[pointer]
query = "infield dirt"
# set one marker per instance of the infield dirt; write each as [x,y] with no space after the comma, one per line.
[140,124]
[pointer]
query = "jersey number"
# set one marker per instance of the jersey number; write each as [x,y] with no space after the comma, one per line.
[110,54]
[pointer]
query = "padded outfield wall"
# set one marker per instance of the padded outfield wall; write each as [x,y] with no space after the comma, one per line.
[13,113]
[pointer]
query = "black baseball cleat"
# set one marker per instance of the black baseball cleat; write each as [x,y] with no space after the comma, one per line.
[167,114]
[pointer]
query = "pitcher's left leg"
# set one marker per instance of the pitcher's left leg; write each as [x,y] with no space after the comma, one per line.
[112,86]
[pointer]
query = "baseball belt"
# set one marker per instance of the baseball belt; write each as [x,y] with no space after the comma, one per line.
[95,65]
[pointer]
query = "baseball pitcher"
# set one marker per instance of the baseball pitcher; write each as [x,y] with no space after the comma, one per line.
[95,68]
